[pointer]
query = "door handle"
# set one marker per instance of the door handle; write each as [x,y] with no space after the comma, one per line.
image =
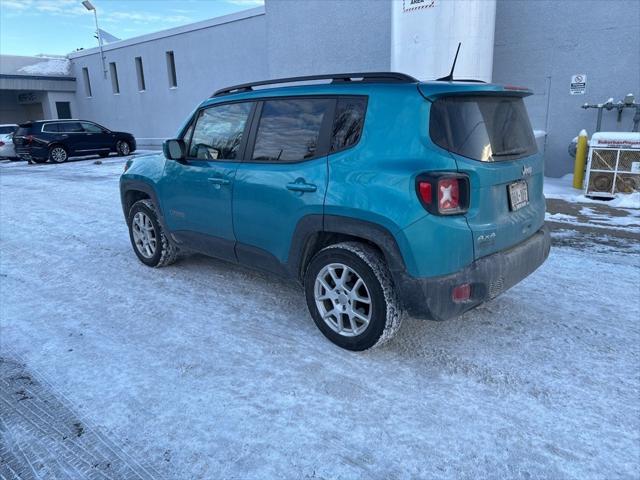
[219,180]
[301,186]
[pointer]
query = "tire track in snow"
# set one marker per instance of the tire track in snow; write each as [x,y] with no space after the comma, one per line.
[42,437]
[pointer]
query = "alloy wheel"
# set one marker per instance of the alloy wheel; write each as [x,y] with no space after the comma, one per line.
[144,235]
[123,148]
[58,155]
[343,299]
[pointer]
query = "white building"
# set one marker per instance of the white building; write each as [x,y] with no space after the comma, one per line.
[150,84]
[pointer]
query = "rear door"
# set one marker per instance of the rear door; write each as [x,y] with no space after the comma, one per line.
[491,139]
[284,177]
[73,136]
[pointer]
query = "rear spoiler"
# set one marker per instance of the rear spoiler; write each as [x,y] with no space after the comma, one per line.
[434,90]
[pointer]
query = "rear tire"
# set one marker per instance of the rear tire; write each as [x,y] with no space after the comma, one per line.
[58,154]
[351,296]
[148,239]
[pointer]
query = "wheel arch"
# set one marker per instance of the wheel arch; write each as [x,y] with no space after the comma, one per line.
[133,190]
[315,232]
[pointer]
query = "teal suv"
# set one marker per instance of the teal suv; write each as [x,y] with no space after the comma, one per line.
[378,193]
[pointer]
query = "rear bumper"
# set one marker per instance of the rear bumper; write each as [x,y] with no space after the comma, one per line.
[488,276]
[27,153]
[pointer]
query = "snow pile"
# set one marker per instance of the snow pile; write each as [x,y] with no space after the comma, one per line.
[561,188]
[49,67]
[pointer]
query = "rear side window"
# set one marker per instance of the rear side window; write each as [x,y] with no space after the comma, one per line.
[70,127]
[218,132]
[485,128]
[51,127]
[289,130]
[91,128]
[348,122]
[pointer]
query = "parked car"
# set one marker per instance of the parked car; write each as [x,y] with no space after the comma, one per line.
[379,193]
[58,140]
[6,141]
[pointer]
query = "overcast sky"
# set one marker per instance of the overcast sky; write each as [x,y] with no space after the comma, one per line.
[31,27]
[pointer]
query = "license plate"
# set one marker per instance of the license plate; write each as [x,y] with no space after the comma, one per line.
[518,195]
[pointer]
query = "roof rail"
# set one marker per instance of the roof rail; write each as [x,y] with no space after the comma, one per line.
[365,77]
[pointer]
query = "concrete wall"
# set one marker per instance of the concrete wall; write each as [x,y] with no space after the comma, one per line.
[206,59]
[327,36]
[541,44]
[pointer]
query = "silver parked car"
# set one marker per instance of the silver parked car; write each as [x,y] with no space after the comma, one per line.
[6,141]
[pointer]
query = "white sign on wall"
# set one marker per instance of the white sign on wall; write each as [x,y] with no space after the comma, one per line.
[409,5]
[578,84]
[26,98]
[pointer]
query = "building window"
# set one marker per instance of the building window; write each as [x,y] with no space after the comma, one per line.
[171,70]
[87,82]
[114,78]
[140,71]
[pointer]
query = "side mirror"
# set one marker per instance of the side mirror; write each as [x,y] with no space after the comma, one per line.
[174,149]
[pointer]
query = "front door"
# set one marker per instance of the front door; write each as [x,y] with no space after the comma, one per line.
[283,179]
[196,192]
[96,138]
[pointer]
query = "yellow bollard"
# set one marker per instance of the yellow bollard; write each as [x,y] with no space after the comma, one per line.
[581,160]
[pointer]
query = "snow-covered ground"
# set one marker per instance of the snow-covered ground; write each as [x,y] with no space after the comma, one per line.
[207,370]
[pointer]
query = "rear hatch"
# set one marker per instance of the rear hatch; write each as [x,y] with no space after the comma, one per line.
[486,130]
[19,138]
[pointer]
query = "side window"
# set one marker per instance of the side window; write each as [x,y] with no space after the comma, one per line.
[70,127]
[218,132]
[348,122]
[91,128]
[289,130]
[51,127]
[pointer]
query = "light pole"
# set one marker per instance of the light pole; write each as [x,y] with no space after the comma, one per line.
[89,6]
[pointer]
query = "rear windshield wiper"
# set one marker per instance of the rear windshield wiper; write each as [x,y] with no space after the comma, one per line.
[513,151]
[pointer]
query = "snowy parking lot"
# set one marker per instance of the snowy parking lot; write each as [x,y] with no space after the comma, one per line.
[205,370]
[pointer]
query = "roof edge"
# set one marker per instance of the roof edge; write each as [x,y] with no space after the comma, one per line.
[191,27]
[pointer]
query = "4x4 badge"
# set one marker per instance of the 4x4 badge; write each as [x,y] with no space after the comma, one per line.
[526,171]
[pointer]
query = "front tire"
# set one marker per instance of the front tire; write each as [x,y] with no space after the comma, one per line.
[148,239]
[58,154]
[123,148]
[351,296]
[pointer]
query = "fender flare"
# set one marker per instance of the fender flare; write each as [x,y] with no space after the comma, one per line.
[128,185]
[310,225]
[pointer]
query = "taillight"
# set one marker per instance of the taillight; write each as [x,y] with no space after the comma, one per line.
[28,139]
[443,193]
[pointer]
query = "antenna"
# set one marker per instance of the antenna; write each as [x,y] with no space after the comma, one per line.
[449,78]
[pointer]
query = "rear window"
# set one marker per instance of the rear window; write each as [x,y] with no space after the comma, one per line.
[289,130]
[23,130]
[51,127]
[485,128]
[348,122]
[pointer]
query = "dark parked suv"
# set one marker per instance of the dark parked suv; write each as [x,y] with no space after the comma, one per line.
[57,140]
